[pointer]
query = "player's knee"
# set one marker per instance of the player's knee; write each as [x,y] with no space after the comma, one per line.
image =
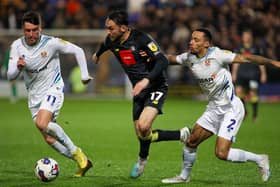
[49,140]
[221,154]
[143,130]
[192,144]
[41,124]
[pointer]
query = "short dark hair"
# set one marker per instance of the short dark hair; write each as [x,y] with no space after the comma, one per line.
[206,33]
[120,17]
[31,17]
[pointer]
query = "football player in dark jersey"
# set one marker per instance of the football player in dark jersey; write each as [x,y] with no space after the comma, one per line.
[248,76]
[147,76]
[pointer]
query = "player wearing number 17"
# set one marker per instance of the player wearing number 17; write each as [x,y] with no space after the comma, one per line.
[36,56]
[145,65]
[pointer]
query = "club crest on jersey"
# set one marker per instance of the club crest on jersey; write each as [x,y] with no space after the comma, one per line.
[207,62]
[44,54]
[132,48]
[153,47]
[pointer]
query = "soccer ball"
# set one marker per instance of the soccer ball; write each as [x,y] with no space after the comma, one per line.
[46,169]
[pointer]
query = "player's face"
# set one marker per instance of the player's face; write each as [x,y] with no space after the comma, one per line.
[247,38]
[31,33]
[198,44]
[114,31]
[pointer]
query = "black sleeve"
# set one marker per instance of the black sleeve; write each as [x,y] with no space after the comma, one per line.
[160,65]
[153,50]
[102,48]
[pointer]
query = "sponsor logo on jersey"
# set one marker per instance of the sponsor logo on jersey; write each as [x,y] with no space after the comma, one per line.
[44,54]
[153,47]
[127,57]
[155,102]
[209,80]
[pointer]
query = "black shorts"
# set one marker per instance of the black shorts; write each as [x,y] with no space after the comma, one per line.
[246,83]
[153,97]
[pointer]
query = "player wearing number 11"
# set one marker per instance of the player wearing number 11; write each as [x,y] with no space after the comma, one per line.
[36,56]
[147,75]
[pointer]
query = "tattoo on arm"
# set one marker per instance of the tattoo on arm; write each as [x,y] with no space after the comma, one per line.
[252,59]
[258,59]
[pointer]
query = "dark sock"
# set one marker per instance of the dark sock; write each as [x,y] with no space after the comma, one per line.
[166,135]
[255,110]
[144,148]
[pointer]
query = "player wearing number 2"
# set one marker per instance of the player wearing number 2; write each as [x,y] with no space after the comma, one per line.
[147,75]
[225,111]
[36,56]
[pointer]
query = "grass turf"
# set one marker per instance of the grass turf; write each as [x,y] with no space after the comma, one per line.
[104,130]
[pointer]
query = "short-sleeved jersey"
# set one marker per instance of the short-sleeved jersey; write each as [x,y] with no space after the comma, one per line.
[212,73]
[136,66]
[42,69]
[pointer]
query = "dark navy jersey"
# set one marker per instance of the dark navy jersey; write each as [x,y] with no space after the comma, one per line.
[249,70]
[136,66]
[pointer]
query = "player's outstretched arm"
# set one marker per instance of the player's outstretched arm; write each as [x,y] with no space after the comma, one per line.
[172,59]
[257,59]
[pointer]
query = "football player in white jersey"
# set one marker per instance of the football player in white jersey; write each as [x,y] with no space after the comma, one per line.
[36,56]
[224,112]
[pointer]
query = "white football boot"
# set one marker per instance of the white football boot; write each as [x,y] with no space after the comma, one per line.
[264,168]
[175,180]
[184,134]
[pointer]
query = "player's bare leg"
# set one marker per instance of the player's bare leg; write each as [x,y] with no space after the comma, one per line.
[52,129]
[144,132]
[225,152]
[198,135]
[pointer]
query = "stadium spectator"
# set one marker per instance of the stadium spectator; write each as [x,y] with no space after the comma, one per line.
[248,76]
[37,56]
[225,111]
[225,19]
[146,74]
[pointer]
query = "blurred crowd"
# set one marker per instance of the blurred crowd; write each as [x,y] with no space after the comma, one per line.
[170,22]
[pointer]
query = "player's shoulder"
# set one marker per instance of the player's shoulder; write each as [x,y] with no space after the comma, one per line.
[49,38]
[17,42]
[52,40]
[140,35]
[217,51]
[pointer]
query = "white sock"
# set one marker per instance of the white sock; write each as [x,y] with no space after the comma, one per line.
[189,157]
[238,155]
[55,131]
[61,149]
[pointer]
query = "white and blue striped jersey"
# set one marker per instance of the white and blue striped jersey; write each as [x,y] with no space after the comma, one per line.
[42,70]
[212,73]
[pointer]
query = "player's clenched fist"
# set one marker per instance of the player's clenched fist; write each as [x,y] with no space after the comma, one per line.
[20,63]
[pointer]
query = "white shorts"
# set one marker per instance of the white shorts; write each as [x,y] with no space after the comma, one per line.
[51,101]
[223,121]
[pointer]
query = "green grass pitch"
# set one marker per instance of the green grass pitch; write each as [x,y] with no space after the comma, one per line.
[104,130]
